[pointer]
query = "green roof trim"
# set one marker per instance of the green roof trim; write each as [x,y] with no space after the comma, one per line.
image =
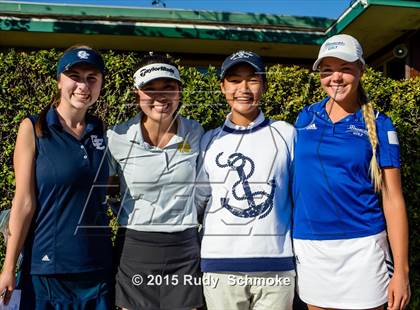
[183,24]
[140,29]
[167,15]
[398,3]
[358,8]
[346,19]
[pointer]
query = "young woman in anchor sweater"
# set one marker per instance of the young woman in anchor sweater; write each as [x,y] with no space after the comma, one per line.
[243,196]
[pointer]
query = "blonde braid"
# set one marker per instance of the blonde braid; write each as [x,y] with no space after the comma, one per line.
[369,116]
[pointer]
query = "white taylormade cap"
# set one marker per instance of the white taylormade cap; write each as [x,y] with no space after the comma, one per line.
[155,71]
[342,46]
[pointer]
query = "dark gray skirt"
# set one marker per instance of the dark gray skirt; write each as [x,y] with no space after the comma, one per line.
[158,270]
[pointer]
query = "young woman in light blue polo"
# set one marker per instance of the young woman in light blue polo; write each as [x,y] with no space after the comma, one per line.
[58,216]
[154,158]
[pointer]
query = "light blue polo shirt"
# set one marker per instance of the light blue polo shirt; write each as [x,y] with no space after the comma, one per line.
[332,190]
[155,183]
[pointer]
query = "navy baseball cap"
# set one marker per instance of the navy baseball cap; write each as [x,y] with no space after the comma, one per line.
[243,57]
[78,56]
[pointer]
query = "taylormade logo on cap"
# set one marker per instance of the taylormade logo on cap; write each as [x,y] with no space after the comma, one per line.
[143,72]
[155,71]
[340,46]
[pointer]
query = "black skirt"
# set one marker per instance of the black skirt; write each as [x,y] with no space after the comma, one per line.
[158,270]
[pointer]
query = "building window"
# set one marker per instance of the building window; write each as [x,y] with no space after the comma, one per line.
[395,69]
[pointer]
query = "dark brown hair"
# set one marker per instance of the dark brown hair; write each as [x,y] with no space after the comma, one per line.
[151,58]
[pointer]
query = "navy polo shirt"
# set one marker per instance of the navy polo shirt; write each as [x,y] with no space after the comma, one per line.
[69,231]
[333,194]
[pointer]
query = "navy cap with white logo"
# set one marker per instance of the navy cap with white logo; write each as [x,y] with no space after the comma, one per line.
[78,56]
[243,57]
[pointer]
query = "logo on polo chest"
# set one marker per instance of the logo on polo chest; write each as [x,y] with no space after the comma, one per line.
[184,147]
[310,127]
[237,162]
[357,131]
[98,143]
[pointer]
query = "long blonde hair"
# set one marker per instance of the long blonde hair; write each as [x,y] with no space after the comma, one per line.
[370,121]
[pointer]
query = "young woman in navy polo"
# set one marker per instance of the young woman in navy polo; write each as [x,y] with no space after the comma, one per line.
[58,214]
[346,154]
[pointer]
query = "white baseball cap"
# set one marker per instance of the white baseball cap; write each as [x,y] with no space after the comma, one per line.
[342,46]
[155,71]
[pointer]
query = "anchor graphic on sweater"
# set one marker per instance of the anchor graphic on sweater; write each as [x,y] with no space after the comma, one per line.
[237,161]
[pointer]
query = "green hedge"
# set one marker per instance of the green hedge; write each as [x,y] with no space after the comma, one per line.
[27,84]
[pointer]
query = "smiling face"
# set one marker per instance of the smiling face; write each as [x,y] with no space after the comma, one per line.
[340,79]
[159,99]
[80,86]
[243,89]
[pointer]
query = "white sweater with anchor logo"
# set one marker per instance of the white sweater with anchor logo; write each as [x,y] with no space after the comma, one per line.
[243,194]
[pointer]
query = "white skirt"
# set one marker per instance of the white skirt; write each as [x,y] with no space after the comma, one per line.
[345,274]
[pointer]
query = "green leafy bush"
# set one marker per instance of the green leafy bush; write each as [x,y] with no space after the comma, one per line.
[27,84]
